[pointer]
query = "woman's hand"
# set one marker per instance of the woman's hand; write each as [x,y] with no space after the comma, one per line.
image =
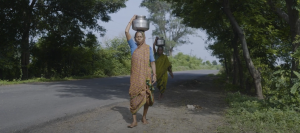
[128,36]
[154,72]
[153,79]
[171,74]
[133,18]
[156,38]
[170,71]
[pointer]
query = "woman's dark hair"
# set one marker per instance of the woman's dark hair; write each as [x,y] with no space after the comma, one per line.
[160,47]
[142,32]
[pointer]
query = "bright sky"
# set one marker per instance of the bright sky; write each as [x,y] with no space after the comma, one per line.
[119,21]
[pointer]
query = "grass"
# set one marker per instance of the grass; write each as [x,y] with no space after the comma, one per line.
[52,79]
[185,68]
[248,114]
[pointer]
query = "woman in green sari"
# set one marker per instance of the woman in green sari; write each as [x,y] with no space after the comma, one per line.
[162,66]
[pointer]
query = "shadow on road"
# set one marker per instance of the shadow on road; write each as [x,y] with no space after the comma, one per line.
[108,88]
[202,92]
[127,116]
[187,88]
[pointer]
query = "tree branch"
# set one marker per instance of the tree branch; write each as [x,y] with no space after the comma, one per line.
[281,13]
[32,4]
[231,18]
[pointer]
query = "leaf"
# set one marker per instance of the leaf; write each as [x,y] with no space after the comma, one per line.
[278,72]
[294,88]
[297,74]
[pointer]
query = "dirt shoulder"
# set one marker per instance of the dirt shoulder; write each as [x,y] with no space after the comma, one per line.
[167,115]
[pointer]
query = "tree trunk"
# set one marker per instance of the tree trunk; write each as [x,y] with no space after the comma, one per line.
[25,40]
[235,67]
[238,60]
[226,67]
[25,53]
[1,74]
[235,72]
[253,72]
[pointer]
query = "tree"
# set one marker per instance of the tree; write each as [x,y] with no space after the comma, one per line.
[41,17]
[289,12]
[207,63]
[167,25]
[217,16]
[214,62]
[10,40]
[238,30]
[115,58]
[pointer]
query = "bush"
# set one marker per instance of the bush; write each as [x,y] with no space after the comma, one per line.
[87,58]
[247,114]
[280,93]
[182,62]
[115,58]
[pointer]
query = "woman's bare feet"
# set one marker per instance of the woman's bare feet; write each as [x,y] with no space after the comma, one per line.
[160,96]
[144,120]
[133,124]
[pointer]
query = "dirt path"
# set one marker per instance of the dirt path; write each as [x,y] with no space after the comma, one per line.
[169,115]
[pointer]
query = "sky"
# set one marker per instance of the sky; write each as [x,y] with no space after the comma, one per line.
[120,19]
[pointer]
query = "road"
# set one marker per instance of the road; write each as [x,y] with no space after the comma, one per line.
[26,105]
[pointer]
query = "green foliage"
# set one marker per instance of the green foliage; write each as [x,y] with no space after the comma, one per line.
[296,54]
[61,24]
[280,93]
[267,36]
[247,114]
[270,39]
[214,63]
[115,58]
[185,62]
[166,25]
[87,58]
[208,63]
[181,62]
[9,62]
[296,86]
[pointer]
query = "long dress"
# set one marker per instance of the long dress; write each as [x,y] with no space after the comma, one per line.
[140,90]
[162,65]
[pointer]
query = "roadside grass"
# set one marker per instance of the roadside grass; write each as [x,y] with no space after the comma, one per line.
[201,67]
[52,79]
[248,114]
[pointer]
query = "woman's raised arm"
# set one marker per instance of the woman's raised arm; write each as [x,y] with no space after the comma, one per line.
[154,45]
[128,36]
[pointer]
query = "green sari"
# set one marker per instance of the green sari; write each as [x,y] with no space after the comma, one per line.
[162,64]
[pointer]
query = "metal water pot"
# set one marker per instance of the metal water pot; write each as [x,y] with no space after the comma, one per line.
[140,23]
[160,41]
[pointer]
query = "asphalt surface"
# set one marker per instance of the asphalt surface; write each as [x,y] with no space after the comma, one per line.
[27,105]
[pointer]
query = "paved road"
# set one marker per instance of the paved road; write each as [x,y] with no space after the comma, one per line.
[26,105]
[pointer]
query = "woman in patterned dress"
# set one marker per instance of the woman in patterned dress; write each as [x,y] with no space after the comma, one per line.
[141,88]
